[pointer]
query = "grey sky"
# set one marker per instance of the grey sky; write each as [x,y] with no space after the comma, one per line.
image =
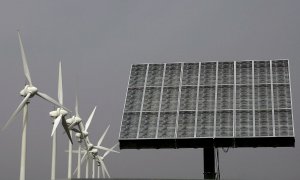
[99,40]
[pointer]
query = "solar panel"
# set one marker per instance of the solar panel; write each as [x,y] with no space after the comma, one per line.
[208,104]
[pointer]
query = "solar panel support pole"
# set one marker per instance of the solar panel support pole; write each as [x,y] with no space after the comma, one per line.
[209,163]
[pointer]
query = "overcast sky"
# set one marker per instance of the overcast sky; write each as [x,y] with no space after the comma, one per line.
[99,40]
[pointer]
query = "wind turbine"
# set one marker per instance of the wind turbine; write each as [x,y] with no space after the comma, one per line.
[71,123]
[78,120]
[28,92]
[100,161]
[81,132]
[92,151]
[58,115]
[87,156]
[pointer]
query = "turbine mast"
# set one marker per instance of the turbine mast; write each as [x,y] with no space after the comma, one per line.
[23,148]
[70,159]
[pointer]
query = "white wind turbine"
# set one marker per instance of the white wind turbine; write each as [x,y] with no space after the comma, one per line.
[74,120]
[99,158]
[29,91]
[96,158]
[71,123]
[58,115]
[100,161]
[78,120]
[92,151]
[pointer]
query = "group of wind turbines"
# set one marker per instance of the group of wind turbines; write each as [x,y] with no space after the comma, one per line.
[75,124]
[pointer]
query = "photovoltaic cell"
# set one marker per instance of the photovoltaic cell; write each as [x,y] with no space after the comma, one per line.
[167,123]
[155,74]
[222,104]
[205,124]
[148,125]
[190,74]
[151,99]
[186,124]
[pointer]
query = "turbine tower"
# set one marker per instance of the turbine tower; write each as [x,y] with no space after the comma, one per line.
[28,92]
[70,160]
[78,161]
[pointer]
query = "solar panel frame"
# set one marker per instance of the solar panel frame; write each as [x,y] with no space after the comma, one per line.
[180,81]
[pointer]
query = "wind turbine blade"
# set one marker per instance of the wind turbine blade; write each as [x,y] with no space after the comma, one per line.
[64,124]
[105,149]
[74,172]
[103,135]
[90,119]
[60,88]
[76,107]
[84,157]
[56,122]
[25,64]
[19,108]
[75,130]
[104,168]
[72,125]
[50,99]
[107,152]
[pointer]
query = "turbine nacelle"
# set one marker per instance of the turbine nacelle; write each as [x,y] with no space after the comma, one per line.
[78,135]
[59,111]
[90,147]
[82,135]
[98,163]
[94,153]
[73,120]
[28,89]
[100,158]
[77,119]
